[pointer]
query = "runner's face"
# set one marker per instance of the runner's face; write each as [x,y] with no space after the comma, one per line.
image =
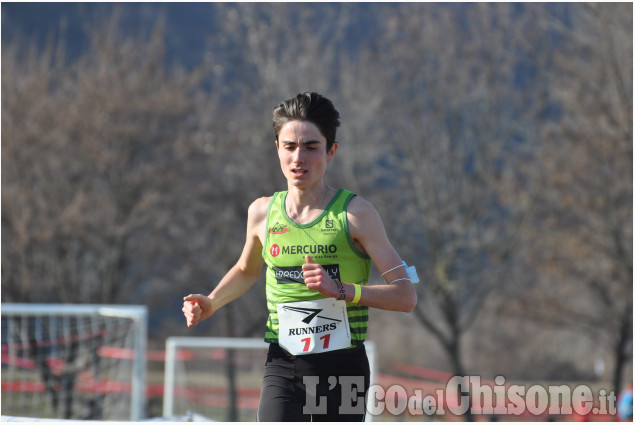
[302,152]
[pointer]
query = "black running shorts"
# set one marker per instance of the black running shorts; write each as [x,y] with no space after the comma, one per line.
[329,386]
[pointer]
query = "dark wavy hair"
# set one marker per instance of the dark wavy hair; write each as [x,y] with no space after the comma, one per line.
[312,107]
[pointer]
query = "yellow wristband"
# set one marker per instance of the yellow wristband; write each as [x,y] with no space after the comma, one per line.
[358,293]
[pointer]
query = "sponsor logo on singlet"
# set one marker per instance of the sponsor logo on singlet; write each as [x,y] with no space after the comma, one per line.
[278,229]
[329,227]
[308,249]
[276,249]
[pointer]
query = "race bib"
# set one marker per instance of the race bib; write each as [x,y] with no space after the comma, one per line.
[308,327]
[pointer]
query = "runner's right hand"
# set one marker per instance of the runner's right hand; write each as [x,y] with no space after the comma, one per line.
[196,307]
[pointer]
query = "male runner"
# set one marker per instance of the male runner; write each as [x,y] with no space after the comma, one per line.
[317,243]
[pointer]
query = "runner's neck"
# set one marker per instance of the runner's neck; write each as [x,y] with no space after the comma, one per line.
[301,207]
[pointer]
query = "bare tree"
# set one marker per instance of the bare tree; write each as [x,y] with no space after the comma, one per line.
[467,105]
[455,141]
[585,205]
[86,153]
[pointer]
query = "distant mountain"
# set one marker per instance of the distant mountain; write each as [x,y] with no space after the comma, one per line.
[187,24]
[189,27]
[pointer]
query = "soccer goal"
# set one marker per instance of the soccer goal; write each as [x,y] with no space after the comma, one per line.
[219,378]
[63,361]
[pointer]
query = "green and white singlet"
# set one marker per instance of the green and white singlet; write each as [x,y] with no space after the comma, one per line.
[328,242]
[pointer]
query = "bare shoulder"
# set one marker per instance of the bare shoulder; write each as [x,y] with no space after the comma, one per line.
[368,233]
[257,218]
[362,213]
[365,225]
[258,209]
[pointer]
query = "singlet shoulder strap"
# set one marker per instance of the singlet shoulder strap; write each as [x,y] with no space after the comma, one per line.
[271,203]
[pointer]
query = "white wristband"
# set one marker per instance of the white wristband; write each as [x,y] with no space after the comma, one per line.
[394,268]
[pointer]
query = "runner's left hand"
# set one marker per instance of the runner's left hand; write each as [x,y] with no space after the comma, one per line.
[316,277]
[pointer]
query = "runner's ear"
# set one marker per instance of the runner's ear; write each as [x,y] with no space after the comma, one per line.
[331,152]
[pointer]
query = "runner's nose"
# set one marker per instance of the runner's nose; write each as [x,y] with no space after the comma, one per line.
[298,157]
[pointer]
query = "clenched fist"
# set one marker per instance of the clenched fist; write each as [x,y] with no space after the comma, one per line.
[196,307]
[316,277]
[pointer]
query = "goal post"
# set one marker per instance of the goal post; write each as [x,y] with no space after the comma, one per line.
[201,374]
[74,361]
[220,378]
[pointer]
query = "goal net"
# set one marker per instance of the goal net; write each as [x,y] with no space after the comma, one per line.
[64,361]
[219,378]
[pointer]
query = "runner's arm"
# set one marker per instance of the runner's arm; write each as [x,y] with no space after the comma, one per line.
[241,277]
[367,230]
